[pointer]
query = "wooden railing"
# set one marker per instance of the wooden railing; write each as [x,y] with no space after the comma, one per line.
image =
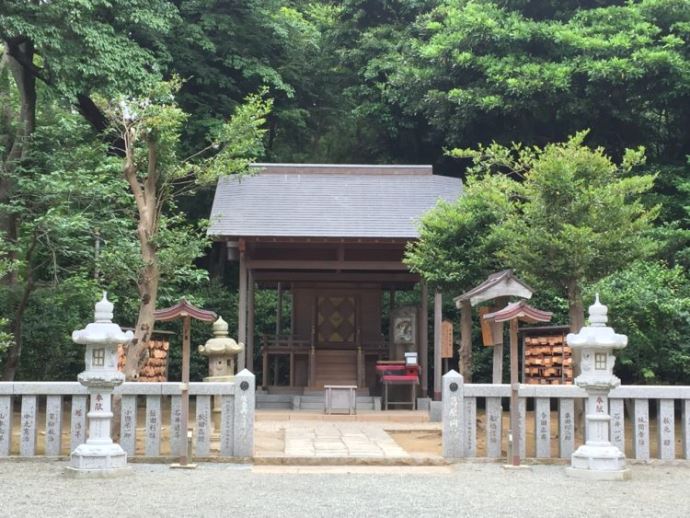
[289,346]
[552,433]
[52,418]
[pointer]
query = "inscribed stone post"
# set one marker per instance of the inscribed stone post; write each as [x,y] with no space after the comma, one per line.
[617,413]
[243,435]
[53,437]
[78,421]
[153,426]
[203,425]
[665,428]
[227,414]
[128,424]
[5,425]
[453,419]
[27,442]
[494,424]
[641,429]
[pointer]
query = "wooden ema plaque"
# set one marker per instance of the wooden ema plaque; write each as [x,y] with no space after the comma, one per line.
[446,339]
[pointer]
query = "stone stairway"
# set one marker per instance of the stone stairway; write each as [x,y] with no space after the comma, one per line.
[311,400]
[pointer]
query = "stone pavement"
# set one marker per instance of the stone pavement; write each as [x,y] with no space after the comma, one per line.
[314,439]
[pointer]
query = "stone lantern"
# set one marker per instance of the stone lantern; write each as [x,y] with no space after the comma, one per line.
[597,458]
[100,456]
[221,351]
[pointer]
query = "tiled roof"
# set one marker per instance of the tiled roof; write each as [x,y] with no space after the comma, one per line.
[296,200]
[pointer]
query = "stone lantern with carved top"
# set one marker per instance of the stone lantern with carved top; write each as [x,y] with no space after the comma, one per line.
[221,351]
[597,458]
[99,455]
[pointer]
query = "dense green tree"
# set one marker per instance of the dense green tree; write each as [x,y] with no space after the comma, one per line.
[457,246]
[157,175]
[65,199]
[536,72]
[576,215]
[650,303]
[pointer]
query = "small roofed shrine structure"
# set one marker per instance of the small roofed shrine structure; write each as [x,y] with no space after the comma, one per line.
[186,311]
[516,312]
[330,240]
[499,286]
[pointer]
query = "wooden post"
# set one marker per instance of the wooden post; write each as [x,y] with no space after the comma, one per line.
[186,339]
[264,366]
[360,367]
[312,367]
[279,311]
[497,374]
[250,322]
[438,306]
[424,336]
[466,340]
[242,309]
[514,386]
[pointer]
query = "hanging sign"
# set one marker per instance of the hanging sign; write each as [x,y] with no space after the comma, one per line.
[446,339]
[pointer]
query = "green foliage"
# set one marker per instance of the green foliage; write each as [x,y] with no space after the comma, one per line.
[649,302]
[577,215]
[538,71]
[92,45]
[457,246]
[561,216]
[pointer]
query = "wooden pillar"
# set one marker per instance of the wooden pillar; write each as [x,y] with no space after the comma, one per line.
[466,340]
[242,308]
[497,374]
[438,306]
[279,311]
[312,366]
[184,404]
[250,322]
[264,366]
[424,336]
[514,386]
[360,367]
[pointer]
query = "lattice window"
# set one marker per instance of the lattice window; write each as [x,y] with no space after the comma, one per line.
[98,357]
[336,319]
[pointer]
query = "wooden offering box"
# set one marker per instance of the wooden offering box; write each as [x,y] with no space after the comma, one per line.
[547,358]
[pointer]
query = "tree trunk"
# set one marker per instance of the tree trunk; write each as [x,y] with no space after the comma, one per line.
[146,199]
[576,310]
[577,321]
[137,351]
[17,146]
[11,363]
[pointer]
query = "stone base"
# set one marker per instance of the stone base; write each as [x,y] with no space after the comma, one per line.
[436,411]
[177,465]
[598,462]
[598,458]
[588,474]
[98,459]
[97,473]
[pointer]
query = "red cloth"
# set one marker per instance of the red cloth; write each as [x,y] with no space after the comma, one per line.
[400,378]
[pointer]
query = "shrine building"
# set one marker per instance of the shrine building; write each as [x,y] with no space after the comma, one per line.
[330,240]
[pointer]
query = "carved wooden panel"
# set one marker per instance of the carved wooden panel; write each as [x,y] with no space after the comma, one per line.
[336,319]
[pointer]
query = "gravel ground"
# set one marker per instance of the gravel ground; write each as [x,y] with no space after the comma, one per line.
[30,489]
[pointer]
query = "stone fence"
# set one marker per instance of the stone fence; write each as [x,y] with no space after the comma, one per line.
[460,423]
[51,411]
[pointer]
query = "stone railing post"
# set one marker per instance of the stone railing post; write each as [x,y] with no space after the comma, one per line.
[453,416]
[243,433]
